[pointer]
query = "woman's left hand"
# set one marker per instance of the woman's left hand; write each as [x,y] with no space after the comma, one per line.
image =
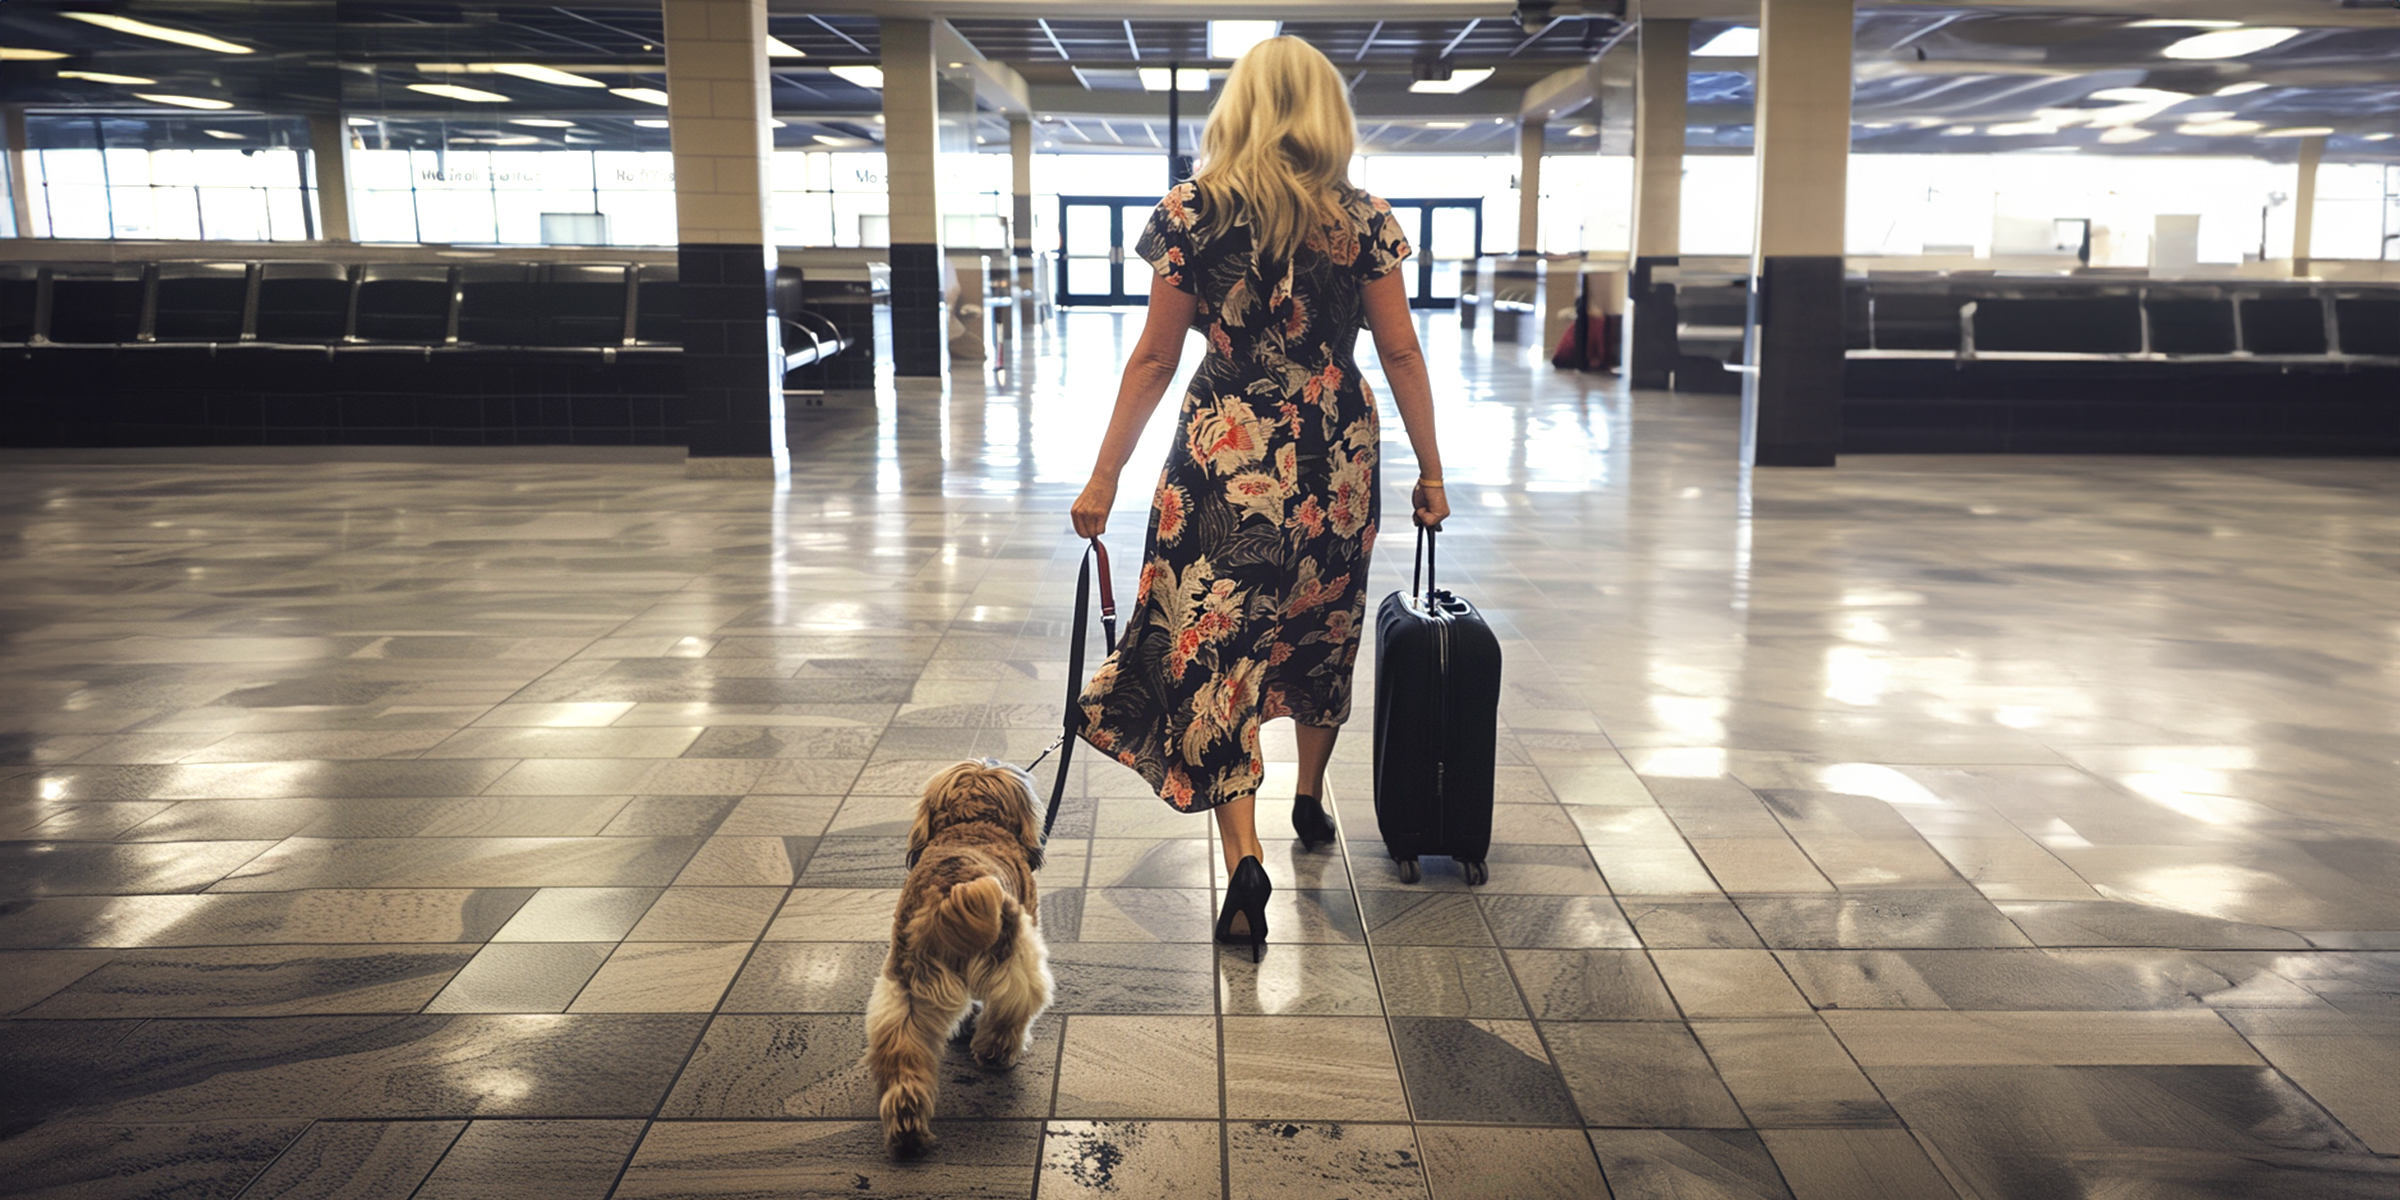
[1091,508]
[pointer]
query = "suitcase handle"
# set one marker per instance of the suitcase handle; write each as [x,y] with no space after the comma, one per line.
[1422,561]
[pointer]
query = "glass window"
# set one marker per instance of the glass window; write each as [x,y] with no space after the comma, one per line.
[255,189]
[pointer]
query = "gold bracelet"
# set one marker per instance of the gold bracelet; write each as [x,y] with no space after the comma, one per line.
[1431,483]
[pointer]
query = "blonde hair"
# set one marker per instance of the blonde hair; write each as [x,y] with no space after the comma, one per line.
[1280,138]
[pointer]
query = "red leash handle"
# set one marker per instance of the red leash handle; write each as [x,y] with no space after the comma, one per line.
[1108,595]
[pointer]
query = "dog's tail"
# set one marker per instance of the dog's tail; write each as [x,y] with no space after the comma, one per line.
[968,921]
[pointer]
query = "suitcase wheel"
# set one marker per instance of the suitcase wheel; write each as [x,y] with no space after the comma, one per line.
[1409,872]
[1475,873]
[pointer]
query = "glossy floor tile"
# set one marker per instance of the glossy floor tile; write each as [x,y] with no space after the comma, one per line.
[1966,827]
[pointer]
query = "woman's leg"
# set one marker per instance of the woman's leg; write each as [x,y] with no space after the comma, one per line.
[1316,749]
[1237,828]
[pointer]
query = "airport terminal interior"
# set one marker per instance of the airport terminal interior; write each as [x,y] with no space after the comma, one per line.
[503,507]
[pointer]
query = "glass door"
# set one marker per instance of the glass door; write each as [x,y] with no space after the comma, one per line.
[1447,235]
[1097,264]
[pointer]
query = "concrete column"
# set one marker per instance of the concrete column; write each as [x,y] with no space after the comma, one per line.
[718,89]
[1529,184]
[20,174]
[1792,398]
[2304,204]
[1662,81]
[1020,162]
[329,144]
[911,145]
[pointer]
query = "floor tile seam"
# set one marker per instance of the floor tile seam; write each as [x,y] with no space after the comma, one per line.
[455,1139]
[2286,1077]
[1391,1033]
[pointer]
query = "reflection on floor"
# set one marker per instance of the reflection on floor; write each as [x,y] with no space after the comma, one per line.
[1998,828]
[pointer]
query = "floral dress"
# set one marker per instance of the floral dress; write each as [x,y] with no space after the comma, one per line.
[1253,584]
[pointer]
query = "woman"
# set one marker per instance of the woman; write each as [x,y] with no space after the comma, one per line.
[1253,581]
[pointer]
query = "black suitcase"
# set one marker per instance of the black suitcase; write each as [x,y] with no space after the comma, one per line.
[1437,722]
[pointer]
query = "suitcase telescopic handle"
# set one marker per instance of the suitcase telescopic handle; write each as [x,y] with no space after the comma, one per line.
[1423,561]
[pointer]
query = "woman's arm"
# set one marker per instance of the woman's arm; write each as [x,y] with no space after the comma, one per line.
[1147,374]
[1412,391]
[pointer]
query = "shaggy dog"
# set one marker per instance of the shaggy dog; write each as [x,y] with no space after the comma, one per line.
[964,932]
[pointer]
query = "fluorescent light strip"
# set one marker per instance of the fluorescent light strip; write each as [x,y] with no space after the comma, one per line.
[225,135]
[451,91]
[1459,81]
[181,37]
[865,77]
[105,77]
[184,101]
[542,122]
[23,54]
[647,95]
[651,123]
[778,48]
[2241,89]
[2229,43]
[2301,131]
[542,74]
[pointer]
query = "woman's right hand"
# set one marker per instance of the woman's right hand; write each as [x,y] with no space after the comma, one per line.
[1091,508]
[1432,506]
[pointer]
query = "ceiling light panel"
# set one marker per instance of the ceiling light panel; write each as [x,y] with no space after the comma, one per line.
[452,91]
[1741,41]
[1231,39]
[1188,79]
[163,33]
[105,77]
[1460,80]
[779,48]
[865,77]
[647,95]
[2230,43]
[542,74]
[185,101]
[24,54]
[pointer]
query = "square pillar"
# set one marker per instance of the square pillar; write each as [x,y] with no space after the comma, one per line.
[1020,164]
[1792,397]
[717,119]
[911,148]
[2304,205]
[1529,185]
[329,149]
[1661,84]
[20,186]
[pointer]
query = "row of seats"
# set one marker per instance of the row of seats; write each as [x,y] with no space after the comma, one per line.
[1970,318]
[578,308]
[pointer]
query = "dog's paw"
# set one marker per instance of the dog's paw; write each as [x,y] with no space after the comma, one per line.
[909,1143]
[999,1054]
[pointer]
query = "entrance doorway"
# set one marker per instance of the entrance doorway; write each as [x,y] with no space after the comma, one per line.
[1097,264]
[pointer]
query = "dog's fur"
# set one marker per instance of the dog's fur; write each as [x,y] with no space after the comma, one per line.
[964,932]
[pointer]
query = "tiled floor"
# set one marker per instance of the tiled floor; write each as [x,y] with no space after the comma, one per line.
[1992,828]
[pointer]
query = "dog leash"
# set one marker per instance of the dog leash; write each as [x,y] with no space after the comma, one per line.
[1073,724]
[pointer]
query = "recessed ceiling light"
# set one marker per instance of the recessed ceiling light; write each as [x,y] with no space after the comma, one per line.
[185,101]
[2219,129]
[2203,118]
[1459,81]
[2141,95]
[651,123]
[828,139]
[22,54]
[2230,43]
[225,135]
[514,141]
[1741,41]
[647,95]
[181,37]
[865,77]
[543,122]
[1445,124]
[2240,89]
[1232,39]
[542,74]
[105,77]
[1958,131]
[2123,134]
[958,66]
[362,120]
[2380,137]
[2022,129]
[2171,23]
[1583,131]
[1187,79]
[778,48]
[451,91]
[2301,131]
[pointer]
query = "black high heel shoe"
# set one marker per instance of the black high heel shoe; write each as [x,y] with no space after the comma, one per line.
[1308,817]
[1246,902]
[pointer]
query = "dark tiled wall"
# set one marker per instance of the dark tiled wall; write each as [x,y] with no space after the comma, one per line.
[729,373]
[1793,404]
[920,335]
[1653,349]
